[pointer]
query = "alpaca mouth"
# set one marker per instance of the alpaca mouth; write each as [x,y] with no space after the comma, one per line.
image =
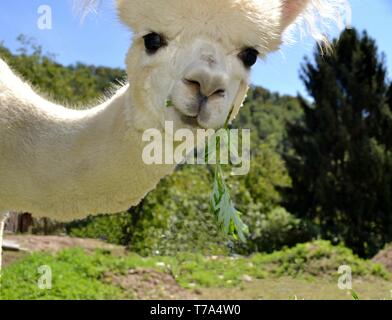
[190,120]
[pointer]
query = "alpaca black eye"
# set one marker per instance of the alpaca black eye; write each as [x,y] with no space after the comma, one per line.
[248,57]
[153,42]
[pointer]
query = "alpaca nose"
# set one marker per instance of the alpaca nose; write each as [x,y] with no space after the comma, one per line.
[207,81]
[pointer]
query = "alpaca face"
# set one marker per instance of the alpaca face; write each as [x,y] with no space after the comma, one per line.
[199,77]
[198,55]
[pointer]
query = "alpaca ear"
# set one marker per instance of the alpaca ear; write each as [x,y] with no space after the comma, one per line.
[291,9]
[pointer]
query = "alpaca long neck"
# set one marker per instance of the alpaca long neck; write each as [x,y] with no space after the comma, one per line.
[79,163]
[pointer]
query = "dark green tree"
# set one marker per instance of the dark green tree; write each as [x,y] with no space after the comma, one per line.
[74,85]
[342,170]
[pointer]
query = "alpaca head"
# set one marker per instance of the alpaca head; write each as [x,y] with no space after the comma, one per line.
[198,54]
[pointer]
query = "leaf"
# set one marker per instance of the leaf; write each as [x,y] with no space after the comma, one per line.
[354,295]
[169,103]
[228,217]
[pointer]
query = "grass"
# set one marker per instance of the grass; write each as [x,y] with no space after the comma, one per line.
[305,271]
[76,275]
[288,288]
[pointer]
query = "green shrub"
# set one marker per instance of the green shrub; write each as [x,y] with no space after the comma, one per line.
[275,230]
[111,228]
[176,217]
[258,196]
[319,258]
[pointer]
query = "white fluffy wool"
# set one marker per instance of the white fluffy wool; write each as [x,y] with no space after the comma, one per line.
[317,18]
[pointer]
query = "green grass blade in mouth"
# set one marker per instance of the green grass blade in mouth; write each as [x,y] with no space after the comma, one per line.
[169,103]
[228,217]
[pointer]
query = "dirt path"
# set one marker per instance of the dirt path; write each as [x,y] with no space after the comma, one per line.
[56,243]
[149,284]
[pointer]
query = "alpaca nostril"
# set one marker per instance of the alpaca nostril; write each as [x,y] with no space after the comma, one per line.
[220,93]
[196,84]
[192,83]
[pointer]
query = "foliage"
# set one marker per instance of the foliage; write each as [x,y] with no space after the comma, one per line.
[228,217]
[74,85]
[354,295]
[222,206]
[319,259]
[276,229]
[111,228]
[267,177]
[342,168]
[258,195]
[266,114]
[176,217]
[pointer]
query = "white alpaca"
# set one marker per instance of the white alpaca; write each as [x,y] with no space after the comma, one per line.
[66,164]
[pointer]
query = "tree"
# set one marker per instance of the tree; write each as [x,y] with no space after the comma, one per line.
[75,85]
[342,168]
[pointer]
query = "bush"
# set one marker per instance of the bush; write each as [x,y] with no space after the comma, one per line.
[176,217]
[275,230]
[319,258]
[111,228]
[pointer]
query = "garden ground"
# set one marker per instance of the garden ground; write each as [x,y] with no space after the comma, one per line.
[91,269]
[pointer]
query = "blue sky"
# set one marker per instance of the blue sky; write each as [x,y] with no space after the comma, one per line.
[102,40]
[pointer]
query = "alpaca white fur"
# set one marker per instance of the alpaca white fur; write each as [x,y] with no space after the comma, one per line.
[65,164]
